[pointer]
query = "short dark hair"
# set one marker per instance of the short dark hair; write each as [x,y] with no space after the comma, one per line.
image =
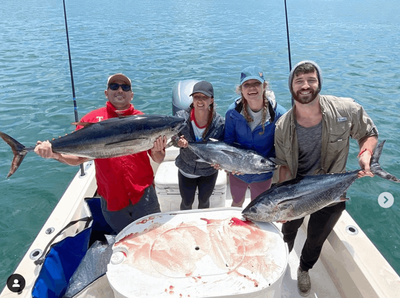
[304,68]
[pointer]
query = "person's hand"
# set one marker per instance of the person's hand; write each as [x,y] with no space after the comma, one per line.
[182,142]
[364,173]
[216,166]
[237,173]
[159,144]
[364,162]
[44,149]
[282,221]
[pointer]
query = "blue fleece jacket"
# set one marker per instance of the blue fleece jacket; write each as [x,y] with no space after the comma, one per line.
[239,134]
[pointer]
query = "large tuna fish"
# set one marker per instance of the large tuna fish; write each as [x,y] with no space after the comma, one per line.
[297,198]
[230,158]
[109,138]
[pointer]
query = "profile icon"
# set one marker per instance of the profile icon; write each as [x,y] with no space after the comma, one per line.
[16,283]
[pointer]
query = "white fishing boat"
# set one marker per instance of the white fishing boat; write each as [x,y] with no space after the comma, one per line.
[349,266]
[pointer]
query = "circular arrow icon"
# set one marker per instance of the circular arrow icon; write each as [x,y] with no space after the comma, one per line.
[386,200]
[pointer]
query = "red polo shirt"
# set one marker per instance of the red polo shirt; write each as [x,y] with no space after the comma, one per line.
[120,180]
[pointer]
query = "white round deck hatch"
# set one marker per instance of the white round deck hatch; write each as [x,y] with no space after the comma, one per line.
[199,253]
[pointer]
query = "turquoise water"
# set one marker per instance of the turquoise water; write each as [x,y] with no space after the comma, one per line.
[157,43]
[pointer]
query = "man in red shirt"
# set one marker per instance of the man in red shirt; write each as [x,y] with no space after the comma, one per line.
[124,183]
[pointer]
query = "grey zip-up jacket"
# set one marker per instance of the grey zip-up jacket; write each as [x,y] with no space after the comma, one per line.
[186,160]
[342,118]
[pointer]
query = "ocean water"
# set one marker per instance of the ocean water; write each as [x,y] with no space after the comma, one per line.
[158,43]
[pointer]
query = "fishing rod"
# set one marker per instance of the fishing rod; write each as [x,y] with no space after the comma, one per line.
[72,76]
[288,41]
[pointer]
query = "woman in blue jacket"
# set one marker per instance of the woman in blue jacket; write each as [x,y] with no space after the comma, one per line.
[250,124]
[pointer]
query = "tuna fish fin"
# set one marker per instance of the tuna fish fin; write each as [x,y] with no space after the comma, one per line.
[272,159]
[201,160]
[287,201]
[376,167]
[19,152]
[232,154]
[236,145]
[84,124]
[377,153]
[173,141]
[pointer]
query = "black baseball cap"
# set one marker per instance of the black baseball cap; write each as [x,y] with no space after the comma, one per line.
[203,87]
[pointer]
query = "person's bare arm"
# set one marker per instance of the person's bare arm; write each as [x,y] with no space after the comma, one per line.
[157,153]
[367,147]
[44,149]
[284,173]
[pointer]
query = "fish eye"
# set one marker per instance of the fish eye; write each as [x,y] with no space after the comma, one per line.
[262,160]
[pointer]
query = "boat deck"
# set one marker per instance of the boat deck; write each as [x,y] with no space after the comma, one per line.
[350,266]
[322,284]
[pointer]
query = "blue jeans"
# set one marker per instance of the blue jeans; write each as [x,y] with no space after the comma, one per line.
[118,220]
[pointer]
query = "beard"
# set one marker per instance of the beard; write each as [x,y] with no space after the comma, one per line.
[305,99]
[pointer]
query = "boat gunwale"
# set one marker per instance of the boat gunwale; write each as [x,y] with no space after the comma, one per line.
[355,265]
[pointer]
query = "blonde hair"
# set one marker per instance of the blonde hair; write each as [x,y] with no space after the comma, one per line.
[267,94]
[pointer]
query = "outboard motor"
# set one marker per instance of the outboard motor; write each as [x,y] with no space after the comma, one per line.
[180,95]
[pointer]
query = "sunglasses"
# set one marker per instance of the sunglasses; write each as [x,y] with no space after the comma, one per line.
[115,86]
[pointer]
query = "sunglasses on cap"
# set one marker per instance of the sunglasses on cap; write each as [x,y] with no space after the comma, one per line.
[115,86]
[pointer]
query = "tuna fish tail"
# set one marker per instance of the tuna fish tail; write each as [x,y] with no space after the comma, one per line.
[173,141]
[376,167]
[19,152]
